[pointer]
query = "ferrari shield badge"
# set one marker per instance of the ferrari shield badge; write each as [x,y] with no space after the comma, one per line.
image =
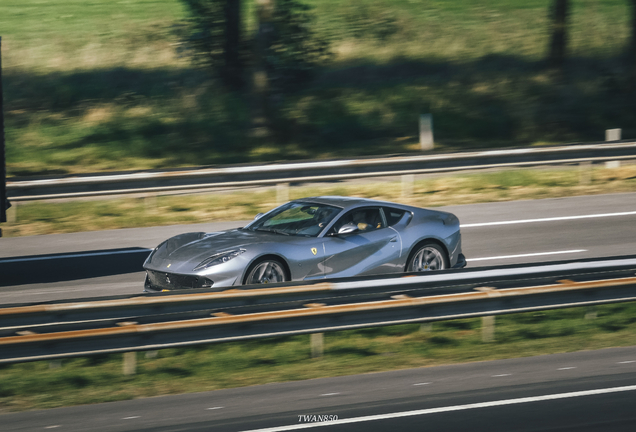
[314,251]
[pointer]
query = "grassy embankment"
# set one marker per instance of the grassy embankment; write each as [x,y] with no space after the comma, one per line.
[103,86]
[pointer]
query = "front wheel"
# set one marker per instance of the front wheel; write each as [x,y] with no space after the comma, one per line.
[266,271]
[427,257]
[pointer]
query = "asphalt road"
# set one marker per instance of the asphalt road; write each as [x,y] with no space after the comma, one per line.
[583,391]
[493,234]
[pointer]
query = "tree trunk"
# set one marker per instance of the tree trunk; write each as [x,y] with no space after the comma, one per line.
[261,125]
[233,73]
[558,42]
[631,50]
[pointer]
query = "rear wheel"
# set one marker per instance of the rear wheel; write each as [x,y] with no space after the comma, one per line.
[266,271]
[427,257]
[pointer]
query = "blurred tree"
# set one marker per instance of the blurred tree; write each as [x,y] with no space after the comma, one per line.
[283,56]
[288,53]
[294,50]
[215,36]
[558,41]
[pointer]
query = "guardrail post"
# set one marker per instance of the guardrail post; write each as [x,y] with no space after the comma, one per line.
[12,213]
[130,363]
[407,185]
[426,132]
[317,344]
[426,327]
[585,173]
[613,164]
[282,193]
[150,203]
[613,134]
[488,328]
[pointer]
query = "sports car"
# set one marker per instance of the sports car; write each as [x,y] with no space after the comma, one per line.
[308,239]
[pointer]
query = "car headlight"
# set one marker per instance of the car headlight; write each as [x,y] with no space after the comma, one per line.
[219,258]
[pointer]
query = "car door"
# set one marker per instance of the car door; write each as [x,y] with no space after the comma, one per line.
[371,248]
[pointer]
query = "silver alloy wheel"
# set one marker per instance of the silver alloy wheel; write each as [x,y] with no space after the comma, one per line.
[266,272]
[427,258]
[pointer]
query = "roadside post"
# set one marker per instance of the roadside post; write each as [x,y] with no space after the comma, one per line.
[613,135]
[426,132]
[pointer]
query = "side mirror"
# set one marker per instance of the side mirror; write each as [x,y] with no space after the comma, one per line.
[348,228]
[258,216]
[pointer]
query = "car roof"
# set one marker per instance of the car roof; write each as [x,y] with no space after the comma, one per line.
[348,202]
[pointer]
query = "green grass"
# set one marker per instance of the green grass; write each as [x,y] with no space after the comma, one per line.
[202,368]
[63,217]
[104,85]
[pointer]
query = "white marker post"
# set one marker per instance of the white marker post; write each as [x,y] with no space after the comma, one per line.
[426,132]
[613,134]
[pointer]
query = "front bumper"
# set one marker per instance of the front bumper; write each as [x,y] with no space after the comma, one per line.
[161,281]
[461,261]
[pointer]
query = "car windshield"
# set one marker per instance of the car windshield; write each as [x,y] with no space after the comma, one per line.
[296,218]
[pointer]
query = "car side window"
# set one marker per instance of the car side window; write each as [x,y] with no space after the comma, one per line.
[393,215]
[365,219]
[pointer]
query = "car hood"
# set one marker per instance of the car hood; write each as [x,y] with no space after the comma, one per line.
[186,251]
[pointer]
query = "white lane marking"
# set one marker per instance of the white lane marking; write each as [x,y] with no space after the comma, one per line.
[214,408]
[448,409]
[52,427]
[131,417]
[329,394]
[73,255]
[500,375]
[628,361]
[567,368]
[418,384]
[552,219]
[527,255]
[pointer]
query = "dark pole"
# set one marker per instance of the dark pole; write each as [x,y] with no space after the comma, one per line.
[631,51]
[233,71]
[558,41]
[3,172]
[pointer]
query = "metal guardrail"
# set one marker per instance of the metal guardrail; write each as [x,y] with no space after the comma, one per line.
[240,176]
[289,296]
[308,309]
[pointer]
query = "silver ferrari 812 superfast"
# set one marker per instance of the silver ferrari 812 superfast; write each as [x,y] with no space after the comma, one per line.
[309,239]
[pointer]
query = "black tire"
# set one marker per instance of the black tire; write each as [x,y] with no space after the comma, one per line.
[268,270]
[427,257]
